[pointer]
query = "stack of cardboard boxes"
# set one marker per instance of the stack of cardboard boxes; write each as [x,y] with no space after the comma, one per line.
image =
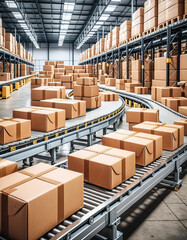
[120,83]
[160,71]
[175,103]
[125,32]
[168,10]
[137,23]
[157,93]
[150,15]
[46,92]
[109,96]
[138,115]
[115,37]
[88,90]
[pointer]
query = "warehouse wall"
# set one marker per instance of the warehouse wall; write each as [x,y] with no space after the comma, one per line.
[55,53]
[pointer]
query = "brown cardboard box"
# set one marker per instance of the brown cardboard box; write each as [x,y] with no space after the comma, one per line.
[128,158]
[157,141]
[180,133]
[14,129]
[87,81]
[183,110]
[131,125]
[7,182]
[182,122]
[4,76]
[42,119]
[71,107]
[42,93]
[35,200]
[163,92]
[110,81]
[66,78]
[170,135]
[91,102]
[134,115]
[183,60]
[37,170]
[108,166]
[143,148]
[70,191]
[7,167]
[95,166]
[151,115]
[86,91]
[48,68]
[68,85]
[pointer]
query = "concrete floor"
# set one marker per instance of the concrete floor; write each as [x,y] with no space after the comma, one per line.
[160,215]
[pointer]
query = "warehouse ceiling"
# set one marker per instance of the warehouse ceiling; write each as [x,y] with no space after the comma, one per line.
[45,16]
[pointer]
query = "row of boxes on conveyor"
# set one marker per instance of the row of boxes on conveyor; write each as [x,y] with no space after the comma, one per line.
[30,195]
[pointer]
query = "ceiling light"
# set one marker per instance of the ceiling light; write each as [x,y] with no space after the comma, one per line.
[65,26]
[69,7]
[11,4]
[66,16]
[104,17]
[110,8]
[17,15]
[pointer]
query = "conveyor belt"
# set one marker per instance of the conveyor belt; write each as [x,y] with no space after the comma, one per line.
[103,207]
[167,115]
[14,80]
[101,118]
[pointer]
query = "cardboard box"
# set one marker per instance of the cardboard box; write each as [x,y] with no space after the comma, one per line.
[42,93]
[7,167]
[33,202]
[66,78]
[86,81]
[183,110]
[182,122]
[37,170]
[86,91]
[4,76]
[71,107]
[110,81]
[70,190]
[143,148]
[109,96]
[151,115]
[157,143]
[134,115]
[42,119]
[91,102]
[14,129]
[95,165]
[48,68]
[127,157]
[7,182]
[170,135]
[68,85]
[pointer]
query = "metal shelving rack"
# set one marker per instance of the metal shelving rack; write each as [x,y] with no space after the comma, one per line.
[11,58]
[165,37]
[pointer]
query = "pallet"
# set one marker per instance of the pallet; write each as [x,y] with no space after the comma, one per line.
[135,37]
[151,30]
[123,42]
[171,21]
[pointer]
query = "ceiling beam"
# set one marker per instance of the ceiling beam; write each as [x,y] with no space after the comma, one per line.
[41,19]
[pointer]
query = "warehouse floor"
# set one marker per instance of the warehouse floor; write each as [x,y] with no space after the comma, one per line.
[161,214]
